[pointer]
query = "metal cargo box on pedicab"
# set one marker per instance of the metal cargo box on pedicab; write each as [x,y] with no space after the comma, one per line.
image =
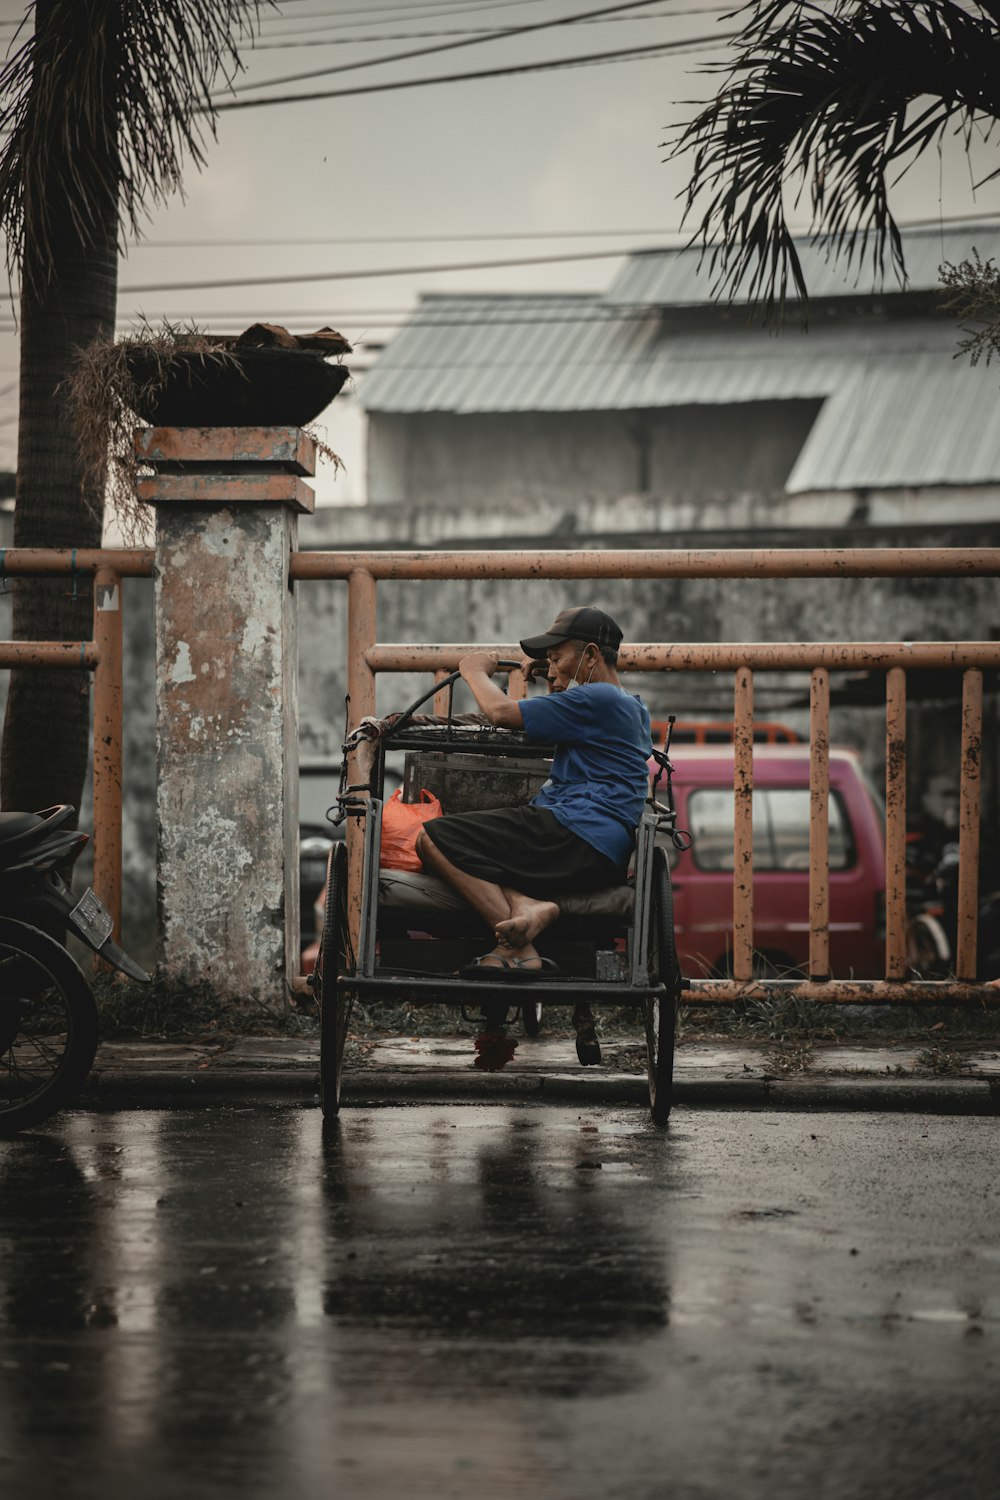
[613,947]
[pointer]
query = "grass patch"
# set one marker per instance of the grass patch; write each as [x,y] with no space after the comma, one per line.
[796,1019]
[129,1011]
[787,1058]
[942,1061]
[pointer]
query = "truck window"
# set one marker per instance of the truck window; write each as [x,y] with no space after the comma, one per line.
[780,829]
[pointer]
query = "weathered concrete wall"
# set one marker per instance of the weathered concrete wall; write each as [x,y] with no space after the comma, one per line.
[738,516]
[139,780]
[566,459]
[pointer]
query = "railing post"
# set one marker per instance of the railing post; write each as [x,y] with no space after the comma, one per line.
[968,824]
[361,634]
[819,825]
[895,823]
[227,704]
[743,825]
[108,741]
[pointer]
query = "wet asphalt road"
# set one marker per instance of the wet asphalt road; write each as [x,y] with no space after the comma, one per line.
[495,1301]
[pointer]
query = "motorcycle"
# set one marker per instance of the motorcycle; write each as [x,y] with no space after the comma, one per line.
[48,1015]
[932,922]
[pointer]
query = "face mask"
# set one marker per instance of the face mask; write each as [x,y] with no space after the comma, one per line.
[573,683]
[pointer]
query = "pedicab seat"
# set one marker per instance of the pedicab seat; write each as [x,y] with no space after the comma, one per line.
[410,892]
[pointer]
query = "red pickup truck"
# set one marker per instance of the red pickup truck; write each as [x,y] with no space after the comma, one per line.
[703,875]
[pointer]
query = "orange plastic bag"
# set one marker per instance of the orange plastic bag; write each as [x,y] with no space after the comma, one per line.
[401,822]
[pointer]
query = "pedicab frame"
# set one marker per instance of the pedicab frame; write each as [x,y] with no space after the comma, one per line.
[648,977]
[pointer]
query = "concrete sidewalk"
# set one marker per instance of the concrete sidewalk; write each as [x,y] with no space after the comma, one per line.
[730,1074]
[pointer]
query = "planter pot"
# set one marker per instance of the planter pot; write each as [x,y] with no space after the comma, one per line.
[248,388]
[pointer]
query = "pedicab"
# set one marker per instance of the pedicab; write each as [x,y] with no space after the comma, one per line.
[610,947]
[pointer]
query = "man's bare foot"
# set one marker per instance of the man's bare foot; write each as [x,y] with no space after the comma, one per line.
[524,925]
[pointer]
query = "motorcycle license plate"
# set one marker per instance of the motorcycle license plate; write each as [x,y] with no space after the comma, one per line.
[92,919]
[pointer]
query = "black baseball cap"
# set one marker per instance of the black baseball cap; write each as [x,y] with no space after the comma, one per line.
[587,624]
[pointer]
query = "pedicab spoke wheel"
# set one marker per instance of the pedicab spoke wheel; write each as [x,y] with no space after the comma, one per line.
[48,1027]
[928,955]
[334,1000]
[531,1017]
[660,1013]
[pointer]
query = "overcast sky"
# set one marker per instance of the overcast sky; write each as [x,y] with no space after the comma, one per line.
[538,164]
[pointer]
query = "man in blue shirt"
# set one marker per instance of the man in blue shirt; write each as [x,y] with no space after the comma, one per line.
[577,834]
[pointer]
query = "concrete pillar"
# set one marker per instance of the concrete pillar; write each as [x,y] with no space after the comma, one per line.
[226,504]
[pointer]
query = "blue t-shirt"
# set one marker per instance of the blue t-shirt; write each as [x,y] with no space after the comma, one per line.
[599,778]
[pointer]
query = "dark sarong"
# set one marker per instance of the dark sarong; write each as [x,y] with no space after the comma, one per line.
[526,848]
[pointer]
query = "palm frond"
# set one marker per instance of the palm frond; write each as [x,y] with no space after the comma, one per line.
[820,102]
[101,104]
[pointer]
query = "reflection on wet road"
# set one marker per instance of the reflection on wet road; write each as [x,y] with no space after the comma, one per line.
[495,1301]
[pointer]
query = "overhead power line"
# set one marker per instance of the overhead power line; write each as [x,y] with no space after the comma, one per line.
[473,41]
[451,7]
[625,54]
[378,322]
[407,239]
[490,236]
[285,279]
[452,266]
[320,36]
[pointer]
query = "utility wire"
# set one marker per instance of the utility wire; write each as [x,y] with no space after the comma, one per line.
[301,39]
[631,54]
[472,265]
[452,8]
[473,41]
[407,239]
[397,315]
[380,271]
[524,320]
[495,235]
[326,23]
[402,5]
[419,270]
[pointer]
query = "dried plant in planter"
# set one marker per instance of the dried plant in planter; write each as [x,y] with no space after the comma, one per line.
[174,377]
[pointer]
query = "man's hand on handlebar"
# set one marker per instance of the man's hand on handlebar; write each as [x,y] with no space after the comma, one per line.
[477,670]
[479,661]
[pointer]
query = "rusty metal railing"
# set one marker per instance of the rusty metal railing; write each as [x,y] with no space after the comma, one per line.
[101,655]
[367,658]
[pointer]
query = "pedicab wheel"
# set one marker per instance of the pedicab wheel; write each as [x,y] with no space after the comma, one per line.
[531,1017]
[334,1001]
[660,1013]
[48,1026]
[928,954]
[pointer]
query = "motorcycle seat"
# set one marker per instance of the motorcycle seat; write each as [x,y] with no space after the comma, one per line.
[14,824]
[20,830]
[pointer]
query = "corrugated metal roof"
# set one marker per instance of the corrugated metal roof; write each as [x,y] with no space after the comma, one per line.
[898,408]
[904,421]
[479,353]
[683,278]
[545,354]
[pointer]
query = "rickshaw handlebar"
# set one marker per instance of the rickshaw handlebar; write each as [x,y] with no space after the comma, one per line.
[444,684]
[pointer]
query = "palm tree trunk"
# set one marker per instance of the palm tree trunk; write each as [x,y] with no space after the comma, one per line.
[68,296]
